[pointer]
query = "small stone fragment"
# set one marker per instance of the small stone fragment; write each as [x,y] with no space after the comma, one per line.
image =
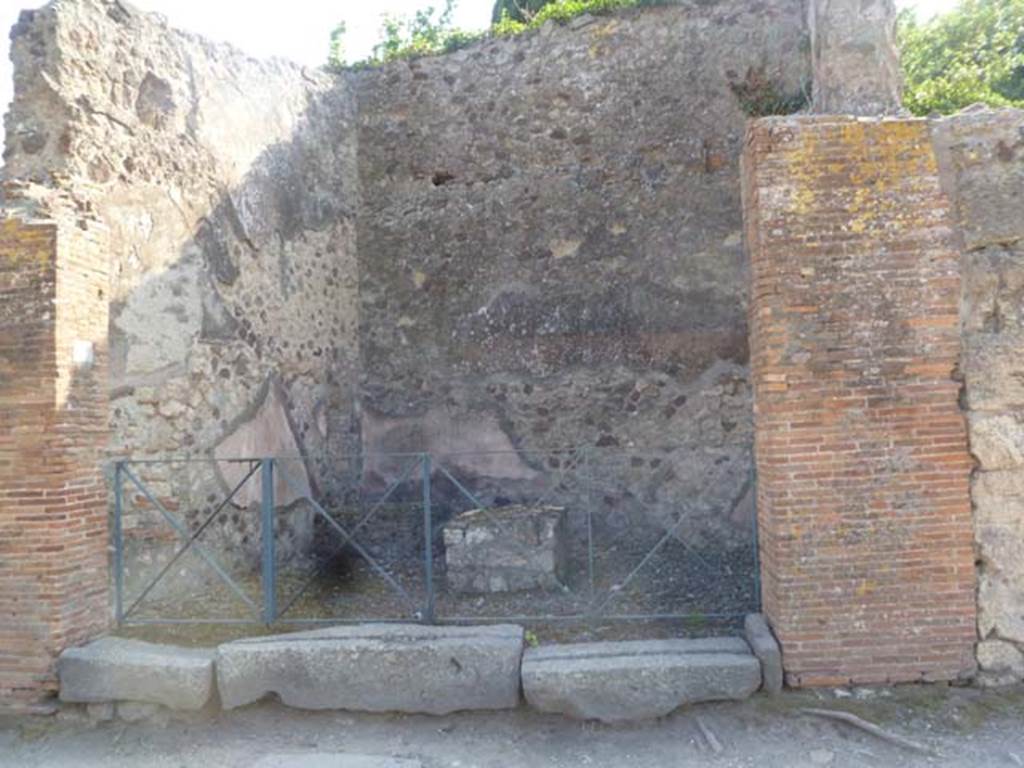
[766,648]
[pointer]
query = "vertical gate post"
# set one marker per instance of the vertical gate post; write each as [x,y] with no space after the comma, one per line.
[267,534]
[428,541]
[118,544]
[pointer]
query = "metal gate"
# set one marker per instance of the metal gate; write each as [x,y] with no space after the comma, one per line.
[664,538]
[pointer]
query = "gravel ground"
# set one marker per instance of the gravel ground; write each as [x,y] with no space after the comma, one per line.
[965,727]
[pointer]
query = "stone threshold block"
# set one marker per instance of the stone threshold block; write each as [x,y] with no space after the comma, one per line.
[506,549]
[638,680]
[116,669]
[377,668]
[764,645]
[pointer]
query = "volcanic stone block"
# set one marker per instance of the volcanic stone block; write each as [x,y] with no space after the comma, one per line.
[1001,663]
[506,549]
[116,669]
[638,680]
[761,640]
[377,668]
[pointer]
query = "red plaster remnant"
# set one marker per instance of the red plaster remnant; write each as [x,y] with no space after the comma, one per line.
[863,467]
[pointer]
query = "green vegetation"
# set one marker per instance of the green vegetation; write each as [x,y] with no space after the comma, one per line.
[430,31]
[516,10]
[336,55]
[760,96]
[974,53]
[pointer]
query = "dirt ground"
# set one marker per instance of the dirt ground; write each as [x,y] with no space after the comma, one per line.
[962,726]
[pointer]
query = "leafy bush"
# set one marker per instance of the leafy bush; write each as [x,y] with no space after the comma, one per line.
[516,10]
[336,57]
[974,53]
[427,32]
[430,32]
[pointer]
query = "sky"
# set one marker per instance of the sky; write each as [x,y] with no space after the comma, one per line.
[296,29]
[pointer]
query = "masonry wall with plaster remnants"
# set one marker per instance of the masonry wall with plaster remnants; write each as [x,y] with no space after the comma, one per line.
[533,242]
[549,246]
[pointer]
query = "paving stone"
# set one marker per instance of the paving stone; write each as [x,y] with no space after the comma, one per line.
[619,682]
[764,645]
[116,669]
[377,668]
[337,760]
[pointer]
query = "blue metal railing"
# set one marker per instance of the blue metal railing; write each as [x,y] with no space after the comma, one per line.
[581,473]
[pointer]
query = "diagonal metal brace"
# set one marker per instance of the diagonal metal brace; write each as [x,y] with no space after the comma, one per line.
[183,532]
[405,474]
[192,539]
[355,544]
[670,534]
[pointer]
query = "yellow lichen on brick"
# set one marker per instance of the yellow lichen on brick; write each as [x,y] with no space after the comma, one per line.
[23,244]
[878,156]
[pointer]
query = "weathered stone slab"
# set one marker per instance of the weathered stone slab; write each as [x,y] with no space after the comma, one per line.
[764,645]
[997,440]
[377,668]
[999,532]
[335,760]
[976,154]
[1001,663]
[619,682]
[116,669]
[994,373]
[505,549]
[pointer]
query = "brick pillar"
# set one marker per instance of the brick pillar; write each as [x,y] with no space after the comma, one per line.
[53,423]
[864,512]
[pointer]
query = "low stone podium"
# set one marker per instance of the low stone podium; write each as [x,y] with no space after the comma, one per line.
[506,549]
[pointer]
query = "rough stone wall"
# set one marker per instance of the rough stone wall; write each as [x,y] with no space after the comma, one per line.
[53,427]
[229,188]
[981,155]
[863,468]
[550,240]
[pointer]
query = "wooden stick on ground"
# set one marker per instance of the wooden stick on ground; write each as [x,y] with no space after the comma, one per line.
[851,719]
[709,737]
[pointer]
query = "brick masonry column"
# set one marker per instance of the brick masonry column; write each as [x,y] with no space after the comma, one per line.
[863,467]
[53,427]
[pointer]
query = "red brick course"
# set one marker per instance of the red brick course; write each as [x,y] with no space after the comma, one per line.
[53,425]
[863,469]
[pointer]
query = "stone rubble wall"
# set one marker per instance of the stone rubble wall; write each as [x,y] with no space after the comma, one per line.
[229,189]
[549,229]
[550,248]
[981,155]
